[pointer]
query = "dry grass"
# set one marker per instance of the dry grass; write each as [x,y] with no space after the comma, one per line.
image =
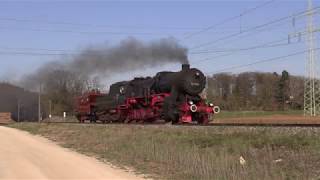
[171,152]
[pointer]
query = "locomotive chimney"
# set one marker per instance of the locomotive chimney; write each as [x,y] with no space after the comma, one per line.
[185,67]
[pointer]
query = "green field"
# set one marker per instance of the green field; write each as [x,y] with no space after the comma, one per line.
[238,114]
[177,152]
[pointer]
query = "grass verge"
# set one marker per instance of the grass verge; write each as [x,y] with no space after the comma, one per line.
[176,152]
[243,114]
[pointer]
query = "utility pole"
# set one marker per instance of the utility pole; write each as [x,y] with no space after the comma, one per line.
[18,110]
[50,104]
[50,109]
[39,104]
[311,86]
[205,91]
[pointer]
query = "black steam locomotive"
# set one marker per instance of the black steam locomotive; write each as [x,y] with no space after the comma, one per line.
[170,96]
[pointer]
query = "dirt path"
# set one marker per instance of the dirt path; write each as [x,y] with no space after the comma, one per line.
[24,156]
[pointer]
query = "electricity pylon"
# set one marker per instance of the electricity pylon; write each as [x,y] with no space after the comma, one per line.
[311,86]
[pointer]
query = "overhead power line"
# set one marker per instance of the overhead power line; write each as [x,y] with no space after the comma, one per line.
[17,52]
[243,49]
[256,27]
[97,25]
[81,32]
[236,39]
[34,53]
[100,32]
[227,20]
[37,49]
[64,52]
[26,50]
[270,44]
[223,55]
[281,58]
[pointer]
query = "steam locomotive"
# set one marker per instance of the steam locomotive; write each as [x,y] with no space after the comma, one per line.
[169,96]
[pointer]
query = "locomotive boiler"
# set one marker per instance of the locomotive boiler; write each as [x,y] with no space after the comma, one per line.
[170,96]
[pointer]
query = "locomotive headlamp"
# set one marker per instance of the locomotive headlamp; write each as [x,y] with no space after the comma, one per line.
[190,102]
[193,108]
[216,109]
[121,90]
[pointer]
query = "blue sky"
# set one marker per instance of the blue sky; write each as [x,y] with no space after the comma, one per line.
[24,24]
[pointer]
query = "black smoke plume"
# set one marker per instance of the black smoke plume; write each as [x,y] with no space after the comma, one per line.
[106,61]
[130,54]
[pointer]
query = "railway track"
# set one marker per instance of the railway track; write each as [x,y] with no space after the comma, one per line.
[196,125]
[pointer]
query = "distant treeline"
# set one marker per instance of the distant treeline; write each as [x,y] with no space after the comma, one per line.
[245,91]
[256,91]
[13,98]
